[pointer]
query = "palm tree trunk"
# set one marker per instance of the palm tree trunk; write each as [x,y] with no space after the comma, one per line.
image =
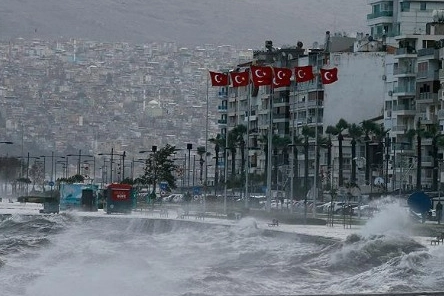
[306,166]
[435,164]
[353,172]
[340,167]
[418,170]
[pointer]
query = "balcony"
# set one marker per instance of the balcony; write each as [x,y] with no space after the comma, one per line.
[428,75]
[371,16]
[428,51]
[222,122]
[404,90]
[222,109]
[404,72]
[441,74]
[399,129]
[427,98]
[405,53]
[222,94]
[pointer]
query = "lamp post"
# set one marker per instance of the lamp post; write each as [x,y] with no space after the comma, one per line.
[111,161]
[27,170]
[153,150]
[80,159]
[189,147]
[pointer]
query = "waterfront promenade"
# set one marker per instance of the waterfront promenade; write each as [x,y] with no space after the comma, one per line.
[423,233]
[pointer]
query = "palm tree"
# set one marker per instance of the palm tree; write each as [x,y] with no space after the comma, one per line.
[297,141]
[368,128]
[337,131]
[354,132]
[219,143]
[307,133]
[419,132]
[241,131]
[382,137]
[232,146]
[201,151]
[437,141]
[280,144]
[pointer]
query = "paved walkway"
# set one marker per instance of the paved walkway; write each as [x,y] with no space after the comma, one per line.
[337,231]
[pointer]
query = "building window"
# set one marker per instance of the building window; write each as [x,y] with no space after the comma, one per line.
[423,6]
[405,6]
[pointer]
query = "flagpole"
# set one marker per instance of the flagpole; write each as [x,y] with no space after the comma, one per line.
[226,154]
[206,151]
[292,148]
[315,180]
[270,150]
[247,193]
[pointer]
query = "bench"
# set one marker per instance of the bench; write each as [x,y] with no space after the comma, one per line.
[200,216]
[437,240]
[274,222]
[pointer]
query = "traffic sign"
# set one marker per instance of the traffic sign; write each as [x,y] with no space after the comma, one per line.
[51,183]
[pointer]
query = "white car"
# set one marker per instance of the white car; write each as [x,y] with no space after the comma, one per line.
[337,207]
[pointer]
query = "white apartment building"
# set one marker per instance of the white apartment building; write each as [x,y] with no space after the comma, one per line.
[411,31]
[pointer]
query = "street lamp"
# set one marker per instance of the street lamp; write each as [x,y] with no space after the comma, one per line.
[111,162]
[189,147]
[80,159]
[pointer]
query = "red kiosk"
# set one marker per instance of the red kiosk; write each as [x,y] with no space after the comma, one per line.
[118,198]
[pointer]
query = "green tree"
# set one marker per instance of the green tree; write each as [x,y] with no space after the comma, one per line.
[297,141]
[160,167]
[368,128]
[307,133]
[419,132]
[10,168]
[219,143]
[437,141]
[337,130]
[355,133]
[201,152]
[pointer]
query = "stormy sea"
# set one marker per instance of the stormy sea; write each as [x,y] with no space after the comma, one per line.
[69,254]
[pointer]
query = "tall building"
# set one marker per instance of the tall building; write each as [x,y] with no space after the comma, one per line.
[357,95]
[411,31]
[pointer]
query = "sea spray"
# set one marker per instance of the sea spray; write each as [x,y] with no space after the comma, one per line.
[393,217]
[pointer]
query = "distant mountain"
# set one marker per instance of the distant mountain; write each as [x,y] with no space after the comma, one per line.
[243,23]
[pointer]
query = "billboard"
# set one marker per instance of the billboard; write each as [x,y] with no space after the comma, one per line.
[71,194]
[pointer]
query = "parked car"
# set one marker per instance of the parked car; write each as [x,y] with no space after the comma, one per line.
[366,210]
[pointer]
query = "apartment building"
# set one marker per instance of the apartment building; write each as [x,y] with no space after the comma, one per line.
[412,31]
[358,95]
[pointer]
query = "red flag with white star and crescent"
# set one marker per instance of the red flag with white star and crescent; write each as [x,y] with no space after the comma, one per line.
[304,73]
[218,79]
[261,75]
[329,76]
[282,77]
[239,78]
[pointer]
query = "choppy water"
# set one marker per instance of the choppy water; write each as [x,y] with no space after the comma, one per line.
[69,255]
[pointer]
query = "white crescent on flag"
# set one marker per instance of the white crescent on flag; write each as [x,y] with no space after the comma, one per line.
[301,74]
[328,76]
[259,73]
[217,78]
[280,75]
[238,79]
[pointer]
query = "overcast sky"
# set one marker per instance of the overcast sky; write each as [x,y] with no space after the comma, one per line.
[244,23]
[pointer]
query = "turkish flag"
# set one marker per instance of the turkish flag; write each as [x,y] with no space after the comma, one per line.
[218,79]
[281,77]
[304,73]
[239,78]
[329,75]
[261,75]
